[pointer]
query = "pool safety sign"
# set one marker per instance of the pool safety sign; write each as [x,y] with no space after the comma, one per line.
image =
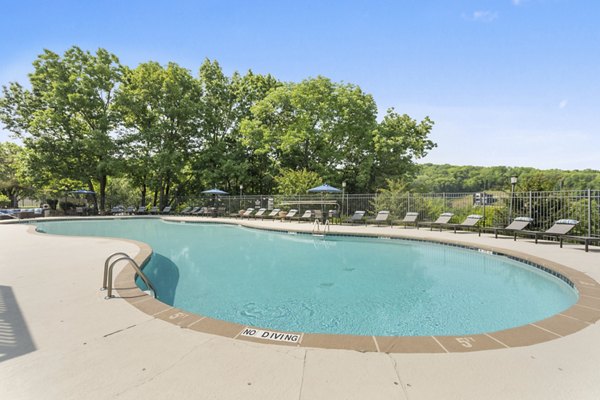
[271,335]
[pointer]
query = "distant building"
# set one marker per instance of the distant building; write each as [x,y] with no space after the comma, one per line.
[480,199]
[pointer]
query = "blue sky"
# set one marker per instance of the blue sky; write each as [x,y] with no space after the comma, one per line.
[507,82]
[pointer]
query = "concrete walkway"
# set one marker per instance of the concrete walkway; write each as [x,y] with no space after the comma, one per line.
[59,339]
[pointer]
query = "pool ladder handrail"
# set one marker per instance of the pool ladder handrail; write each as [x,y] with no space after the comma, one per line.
[317,227]
[107,281]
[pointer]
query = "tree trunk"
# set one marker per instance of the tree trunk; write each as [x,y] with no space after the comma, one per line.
[165,201]
[103,182]
[14,199]
[143,200]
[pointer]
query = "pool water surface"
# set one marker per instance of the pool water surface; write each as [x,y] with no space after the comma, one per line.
[343,285]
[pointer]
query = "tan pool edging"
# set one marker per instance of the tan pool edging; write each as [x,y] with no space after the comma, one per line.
[582,314]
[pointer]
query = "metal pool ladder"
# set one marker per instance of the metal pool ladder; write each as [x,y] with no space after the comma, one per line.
[317,227]
[107,281]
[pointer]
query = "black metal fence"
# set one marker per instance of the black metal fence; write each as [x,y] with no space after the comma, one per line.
[498,208]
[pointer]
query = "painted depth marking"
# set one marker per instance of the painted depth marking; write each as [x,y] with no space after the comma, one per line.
[272,335]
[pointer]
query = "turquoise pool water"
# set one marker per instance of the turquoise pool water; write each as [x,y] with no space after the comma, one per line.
[338,285]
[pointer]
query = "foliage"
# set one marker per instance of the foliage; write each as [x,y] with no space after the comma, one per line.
[291,182]
[456,179]
[87,119]
[580,207]
[316,125]
[221,155]
[121,192]
[398,140]
[4,200]
[331,129]
[14,184]
[66,117]
[158,107]
[393,198]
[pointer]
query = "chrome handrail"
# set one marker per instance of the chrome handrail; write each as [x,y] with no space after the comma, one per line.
[107,282]
[317,227]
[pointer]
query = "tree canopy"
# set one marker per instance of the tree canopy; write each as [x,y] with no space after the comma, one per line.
[85,118]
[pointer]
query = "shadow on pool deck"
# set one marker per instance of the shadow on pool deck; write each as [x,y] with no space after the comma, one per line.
[15,339]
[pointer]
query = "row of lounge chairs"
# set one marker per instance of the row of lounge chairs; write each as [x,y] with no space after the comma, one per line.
[203,211]
[559,230]
[119,210]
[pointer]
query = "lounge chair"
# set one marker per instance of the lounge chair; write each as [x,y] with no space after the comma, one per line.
[291,214]
[141,210]
[259,213]
[186,210]
[154,210]
[193,211]
[307,216]
[200,211]
[443,220]
[357,217]
[381,218]
[558,230]
[118,210]
[410,218]
[247,213]
[518,224]
[273,214]
[130,210]
[472,221]
[166,210]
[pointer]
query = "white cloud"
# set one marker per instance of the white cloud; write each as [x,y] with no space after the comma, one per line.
[517,2]
[563,104]
[481,16]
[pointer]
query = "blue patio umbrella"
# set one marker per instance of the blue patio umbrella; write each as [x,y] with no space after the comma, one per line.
[82,192]
[325,188]
[214,191]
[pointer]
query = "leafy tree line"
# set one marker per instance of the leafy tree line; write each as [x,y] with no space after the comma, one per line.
[452,178]
[158,131]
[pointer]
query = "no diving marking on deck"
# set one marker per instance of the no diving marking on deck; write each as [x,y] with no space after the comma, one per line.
[271,335]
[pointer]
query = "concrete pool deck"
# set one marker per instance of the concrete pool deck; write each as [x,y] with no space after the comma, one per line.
[59,338]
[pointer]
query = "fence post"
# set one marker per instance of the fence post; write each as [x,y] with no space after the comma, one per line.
[484,201]
[589,216]
[530,202]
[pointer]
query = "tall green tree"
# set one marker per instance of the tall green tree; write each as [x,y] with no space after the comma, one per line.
[398,141]
[316,125]
[331,129]
[291,182]
[67,117]
[159,107]
[221,158]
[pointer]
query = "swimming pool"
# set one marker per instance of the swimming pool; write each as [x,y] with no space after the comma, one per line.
[341,285]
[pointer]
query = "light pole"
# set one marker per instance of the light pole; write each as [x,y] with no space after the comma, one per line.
[513,182]
[343,192]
